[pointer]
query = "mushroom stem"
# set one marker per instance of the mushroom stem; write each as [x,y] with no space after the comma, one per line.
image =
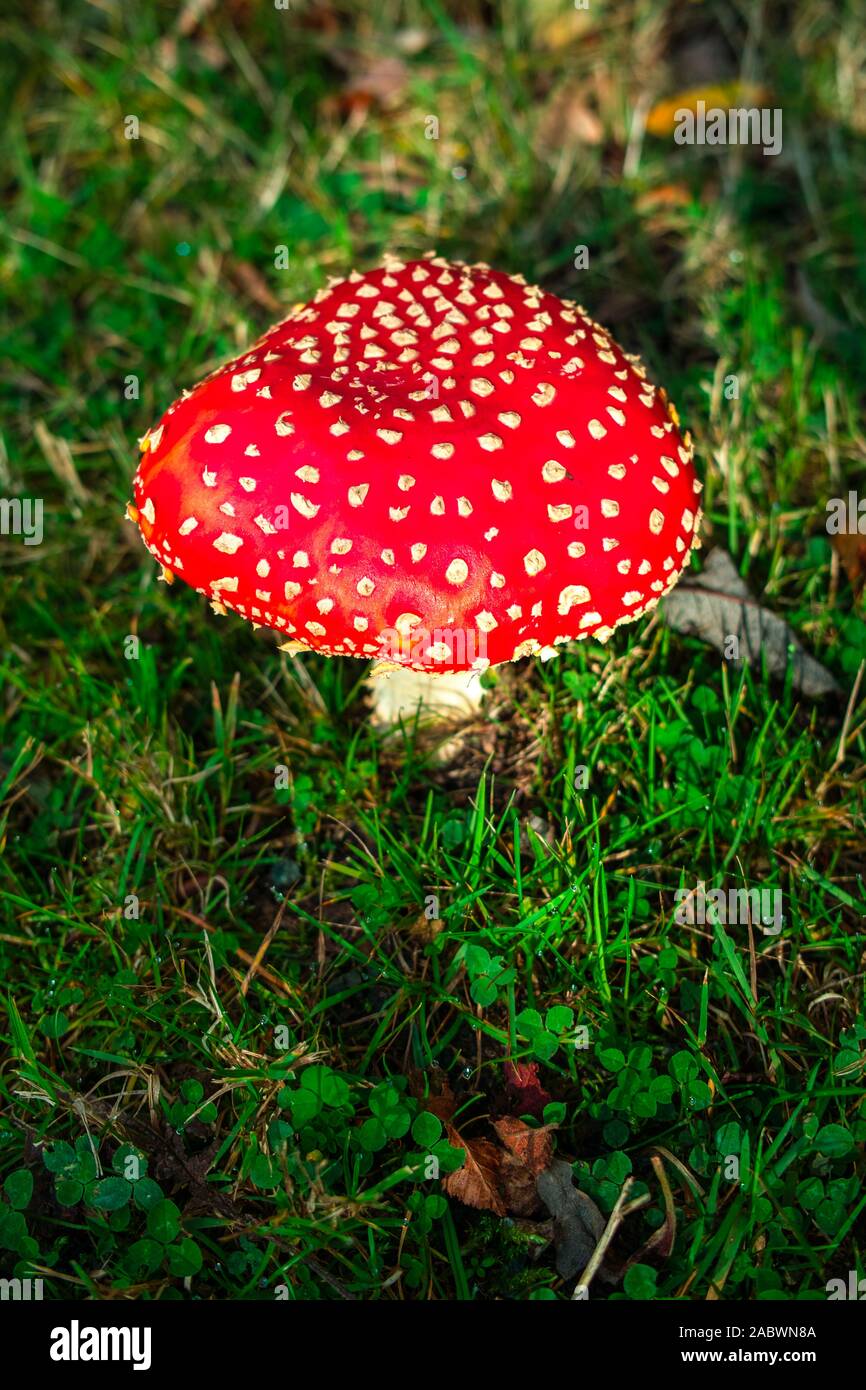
[395,694]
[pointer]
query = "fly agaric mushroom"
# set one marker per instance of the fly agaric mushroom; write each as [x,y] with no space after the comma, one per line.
[434,464]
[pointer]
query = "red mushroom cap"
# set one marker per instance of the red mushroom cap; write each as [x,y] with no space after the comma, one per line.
[434,463]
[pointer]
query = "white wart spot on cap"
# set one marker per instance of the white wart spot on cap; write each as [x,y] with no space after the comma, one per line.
[545,393]
[217,434]
[241,380]
[571,595]
[490,442]
[553,472]
[227,543]
[303,505]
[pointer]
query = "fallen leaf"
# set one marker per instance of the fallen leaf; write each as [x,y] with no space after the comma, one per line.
[851,550]
[664,195]
[532,1147]
[716,605]
[577,1221]
[567,118]
[372,78]
[477,1182]
[425,929]
[662,119]
[522,1080]
[517,1185]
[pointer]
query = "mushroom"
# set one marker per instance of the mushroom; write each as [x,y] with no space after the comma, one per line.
[433,464]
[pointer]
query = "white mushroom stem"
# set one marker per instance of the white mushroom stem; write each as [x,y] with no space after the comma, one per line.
[448,698]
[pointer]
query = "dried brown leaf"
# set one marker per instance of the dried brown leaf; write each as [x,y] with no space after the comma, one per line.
[378,79]
[477,1182]
[568,119]
[851,550]
[517,1185]
[532,1147]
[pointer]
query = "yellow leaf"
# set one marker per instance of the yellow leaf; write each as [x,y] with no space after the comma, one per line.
[662,119]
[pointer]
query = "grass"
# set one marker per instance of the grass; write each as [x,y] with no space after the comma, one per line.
[186,1118]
